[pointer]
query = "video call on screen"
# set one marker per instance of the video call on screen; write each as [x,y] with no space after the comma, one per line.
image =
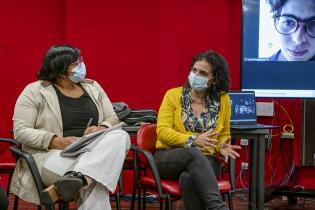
[287,79]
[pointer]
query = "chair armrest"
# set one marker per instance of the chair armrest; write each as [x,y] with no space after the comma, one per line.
[31,165]
[11,141]
[153,167]
[231,170]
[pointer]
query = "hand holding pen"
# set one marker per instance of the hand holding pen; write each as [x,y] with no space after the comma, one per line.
[88,128]
[91,129]
[89,123]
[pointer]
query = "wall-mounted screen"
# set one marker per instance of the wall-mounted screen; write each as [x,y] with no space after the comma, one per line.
[278,48]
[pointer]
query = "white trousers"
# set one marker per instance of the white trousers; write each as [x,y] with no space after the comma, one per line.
[103,164]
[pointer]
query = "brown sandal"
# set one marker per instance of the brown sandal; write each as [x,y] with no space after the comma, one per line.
[49,195]
[66,188]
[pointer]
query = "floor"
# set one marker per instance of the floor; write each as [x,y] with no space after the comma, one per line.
[240,202]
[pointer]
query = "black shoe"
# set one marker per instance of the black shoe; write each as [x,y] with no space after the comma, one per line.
[66,189]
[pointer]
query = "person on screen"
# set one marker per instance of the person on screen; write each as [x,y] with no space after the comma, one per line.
[52,113]
[193,130]
[294,21]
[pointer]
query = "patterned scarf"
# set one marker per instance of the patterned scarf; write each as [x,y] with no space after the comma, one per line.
[206,120]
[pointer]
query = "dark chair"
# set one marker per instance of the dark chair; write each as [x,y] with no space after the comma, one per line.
[19,153]
[129,163]
[8,167]
[119,192]
[168,190]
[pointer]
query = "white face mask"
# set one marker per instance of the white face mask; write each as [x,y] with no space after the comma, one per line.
[78,73]
[197,83]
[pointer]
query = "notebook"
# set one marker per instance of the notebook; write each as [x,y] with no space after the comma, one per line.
[243,111]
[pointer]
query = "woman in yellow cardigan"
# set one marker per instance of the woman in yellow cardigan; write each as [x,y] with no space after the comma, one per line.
[193,128]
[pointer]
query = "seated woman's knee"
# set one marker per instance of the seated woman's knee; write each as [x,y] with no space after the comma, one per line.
[122,137]
[184,178]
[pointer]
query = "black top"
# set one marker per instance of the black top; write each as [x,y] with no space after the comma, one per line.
[76,113]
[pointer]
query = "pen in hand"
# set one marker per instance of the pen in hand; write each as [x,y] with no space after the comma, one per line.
[87,126]
[89,123]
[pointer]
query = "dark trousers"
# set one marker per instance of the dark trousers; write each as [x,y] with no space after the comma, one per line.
[196,174]
[3,200]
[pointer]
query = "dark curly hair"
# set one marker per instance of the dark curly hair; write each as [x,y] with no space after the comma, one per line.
[276,6]
[56,62]
[220,73]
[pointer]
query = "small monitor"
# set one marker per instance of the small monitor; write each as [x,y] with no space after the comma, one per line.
[243,107]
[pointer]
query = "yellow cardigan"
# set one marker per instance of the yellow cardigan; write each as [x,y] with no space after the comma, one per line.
[171,132]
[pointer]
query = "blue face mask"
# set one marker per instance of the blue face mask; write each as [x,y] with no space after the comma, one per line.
[197,83]
[78,73]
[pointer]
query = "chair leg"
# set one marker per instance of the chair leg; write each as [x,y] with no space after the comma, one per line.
[161,203]
[230,200]
[117,195]
[138,198]
[9,184]
[134,191]
[16,203]
[144,198]
[121,190]
[49,207]
[39,207]
[223,197]
[133,198]
[63,205]
[168,204]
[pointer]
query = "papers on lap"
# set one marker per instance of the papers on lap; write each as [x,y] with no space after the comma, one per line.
[86,142]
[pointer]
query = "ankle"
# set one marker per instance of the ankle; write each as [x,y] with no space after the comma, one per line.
[89,180]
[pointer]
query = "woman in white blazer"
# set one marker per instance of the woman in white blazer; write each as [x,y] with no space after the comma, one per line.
[53,112]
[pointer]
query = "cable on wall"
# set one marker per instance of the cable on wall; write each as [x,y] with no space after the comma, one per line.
[287,128]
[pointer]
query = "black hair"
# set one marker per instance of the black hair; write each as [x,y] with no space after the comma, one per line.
[276,6]
[56,62]
[220,73]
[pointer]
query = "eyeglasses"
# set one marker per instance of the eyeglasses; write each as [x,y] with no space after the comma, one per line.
[79,61]
[287,25]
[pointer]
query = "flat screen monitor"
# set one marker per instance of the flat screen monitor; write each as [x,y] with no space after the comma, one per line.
[278,48]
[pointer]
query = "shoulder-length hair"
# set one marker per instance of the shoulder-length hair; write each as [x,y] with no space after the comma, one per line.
[56,62]
[220,73]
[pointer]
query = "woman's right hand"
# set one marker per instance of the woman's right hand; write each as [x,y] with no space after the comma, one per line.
[61,143]
[205,140]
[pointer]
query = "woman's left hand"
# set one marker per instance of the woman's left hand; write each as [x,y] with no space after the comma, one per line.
[93,129]
[228,150]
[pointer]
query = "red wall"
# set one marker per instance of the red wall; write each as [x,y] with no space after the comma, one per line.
[135,49]
[139,49]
